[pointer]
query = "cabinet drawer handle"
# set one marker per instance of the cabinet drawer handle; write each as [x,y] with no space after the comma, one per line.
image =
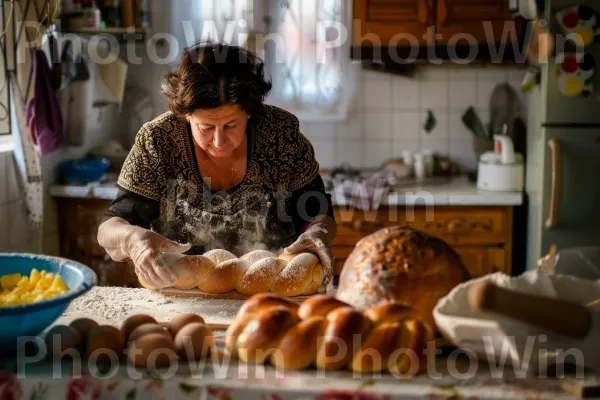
[485,225]
[556,190]
[456,226]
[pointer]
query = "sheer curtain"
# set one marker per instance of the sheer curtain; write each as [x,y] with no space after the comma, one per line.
[226,21]
[310,58]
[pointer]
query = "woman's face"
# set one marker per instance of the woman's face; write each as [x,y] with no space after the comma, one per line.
[219,131]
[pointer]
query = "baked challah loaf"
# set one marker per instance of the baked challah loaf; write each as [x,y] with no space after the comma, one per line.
[329,334]
[402,265]
[219,271]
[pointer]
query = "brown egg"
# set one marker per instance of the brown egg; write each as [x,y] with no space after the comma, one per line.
[134,321]
[104,343]
[182,320]
[83,326]
[194,341]
[146,329]
[61,338]
[154,350]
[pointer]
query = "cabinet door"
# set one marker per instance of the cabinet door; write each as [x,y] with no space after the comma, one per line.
[481,261]
[459,17]
[382,20]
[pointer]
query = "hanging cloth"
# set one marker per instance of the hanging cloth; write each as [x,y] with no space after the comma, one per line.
[29,166]
[44,116]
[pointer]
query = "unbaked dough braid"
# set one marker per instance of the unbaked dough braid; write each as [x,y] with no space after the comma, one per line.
[327,333]
[260,271]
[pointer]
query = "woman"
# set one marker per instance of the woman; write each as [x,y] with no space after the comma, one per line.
[220,170]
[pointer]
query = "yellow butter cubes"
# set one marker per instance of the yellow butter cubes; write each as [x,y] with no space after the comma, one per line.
[16,289]
[10,281]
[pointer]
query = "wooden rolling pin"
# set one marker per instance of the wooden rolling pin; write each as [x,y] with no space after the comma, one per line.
[558,316]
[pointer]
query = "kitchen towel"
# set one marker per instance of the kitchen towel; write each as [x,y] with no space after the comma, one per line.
[43,114]
[367,192]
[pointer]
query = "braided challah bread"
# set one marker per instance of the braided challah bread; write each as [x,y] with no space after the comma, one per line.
[403,265]
[329,334]
[259,271]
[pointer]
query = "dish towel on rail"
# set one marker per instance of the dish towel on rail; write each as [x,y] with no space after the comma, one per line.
[44,116]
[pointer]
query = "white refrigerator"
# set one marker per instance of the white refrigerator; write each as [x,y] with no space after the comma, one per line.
[563,155]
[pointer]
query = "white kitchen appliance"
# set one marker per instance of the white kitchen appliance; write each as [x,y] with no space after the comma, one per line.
[501,170]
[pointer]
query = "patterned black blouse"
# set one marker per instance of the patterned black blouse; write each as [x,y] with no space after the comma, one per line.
[161,187]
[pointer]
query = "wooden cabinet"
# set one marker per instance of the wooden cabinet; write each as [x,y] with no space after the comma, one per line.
[78,221]
[463,28]
[472,17]
[483,260]
[482,236]
[382,20]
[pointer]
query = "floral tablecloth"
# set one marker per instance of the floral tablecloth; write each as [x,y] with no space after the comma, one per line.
[265,383]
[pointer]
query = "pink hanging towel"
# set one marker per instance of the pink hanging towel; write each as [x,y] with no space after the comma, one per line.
[44,116]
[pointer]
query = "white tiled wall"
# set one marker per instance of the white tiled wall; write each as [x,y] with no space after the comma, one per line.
[389,113]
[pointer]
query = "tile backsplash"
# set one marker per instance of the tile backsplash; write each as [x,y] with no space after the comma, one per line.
[390,111]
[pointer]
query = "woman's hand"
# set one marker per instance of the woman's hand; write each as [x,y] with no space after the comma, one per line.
[123,241]
[316,239]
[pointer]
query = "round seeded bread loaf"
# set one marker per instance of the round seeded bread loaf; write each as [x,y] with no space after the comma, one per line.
[403,265]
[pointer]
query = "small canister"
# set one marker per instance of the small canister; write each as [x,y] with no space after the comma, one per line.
[407,157]
[419,167]
[429,162]
[92,18]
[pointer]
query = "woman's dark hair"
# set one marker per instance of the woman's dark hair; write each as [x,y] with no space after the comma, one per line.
[211,75]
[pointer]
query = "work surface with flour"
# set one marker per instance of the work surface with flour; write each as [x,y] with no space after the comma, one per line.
[111,305]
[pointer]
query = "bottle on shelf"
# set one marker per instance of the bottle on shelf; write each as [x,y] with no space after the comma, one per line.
[72,15]
[111,13]
[142,14]
[127,13]
[91,14]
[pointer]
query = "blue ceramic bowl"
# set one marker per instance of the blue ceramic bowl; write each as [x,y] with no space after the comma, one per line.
[33,319]
[82,172]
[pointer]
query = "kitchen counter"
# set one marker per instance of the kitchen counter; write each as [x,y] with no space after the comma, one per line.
[454,375]
[453,192]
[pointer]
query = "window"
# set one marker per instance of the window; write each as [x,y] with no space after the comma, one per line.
[305,45]
[228,20]
[312,73]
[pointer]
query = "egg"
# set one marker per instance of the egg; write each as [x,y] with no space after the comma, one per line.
[134,321]
[83,326]
[182,320]
[146,329]
[104,343]
[61,338]
[194,341]
[154,350]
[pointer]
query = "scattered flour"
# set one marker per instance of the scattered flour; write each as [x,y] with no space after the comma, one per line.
[112,305]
